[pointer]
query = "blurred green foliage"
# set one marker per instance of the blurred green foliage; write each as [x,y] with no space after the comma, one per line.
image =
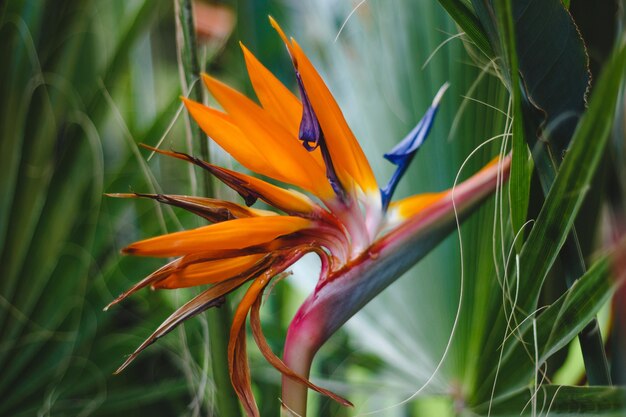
[62,147]
[84,81]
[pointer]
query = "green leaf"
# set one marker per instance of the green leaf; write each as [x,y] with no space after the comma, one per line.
[521,167]
[133,399]
[553,65]
[557,215]
[57,350]
[133,26]
[535,340]
[552,105]
[467,20]
[572,182]
[561,401]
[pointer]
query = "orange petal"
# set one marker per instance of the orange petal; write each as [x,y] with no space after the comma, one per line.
[209,272]
[289,201]
[410,206]
[237,355]
[233,234]
[240,371]
[494,161]
[344,149]
[222,129]
[405,208]
[275,98]
[293,164]
[161,274]
[282,35]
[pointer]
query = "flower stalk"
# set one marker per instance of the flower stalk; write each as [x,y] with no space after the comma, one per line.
[218,319]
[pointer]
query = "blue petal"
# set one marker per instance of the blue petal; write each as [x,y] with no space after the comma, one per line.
[402,154]
[310,130]
[312,137]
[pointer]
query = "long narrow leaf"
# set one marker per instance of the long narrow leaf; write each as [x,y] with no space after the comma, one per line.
[521,166]
[538,339]
[561,401]
[572,182]
[467,20]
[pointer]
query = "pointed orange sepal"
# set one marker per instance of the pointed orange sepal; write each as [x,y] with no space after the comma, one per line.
[275,98]
[282,35]
[283,152]
[231,235]
[210,272]
[224,130]
[416,204]
[407,207]
[346,153]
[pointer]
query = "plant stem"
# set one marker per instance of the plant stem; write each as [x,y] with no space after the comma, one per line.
[189,69]
[226,403]
[298,355]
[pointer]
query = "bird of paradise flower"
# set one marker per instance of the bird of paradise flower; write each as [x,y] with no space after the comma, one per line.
[364,239]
